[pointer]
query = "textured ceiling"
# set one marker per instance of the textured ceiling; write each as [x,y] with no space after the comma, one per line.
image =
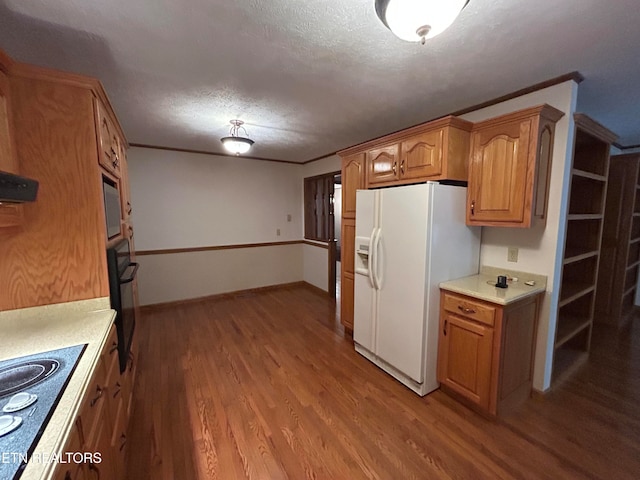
[315,76]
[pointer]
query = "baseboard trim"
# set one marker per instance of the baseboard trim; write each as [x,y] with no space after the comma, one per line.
[154,307]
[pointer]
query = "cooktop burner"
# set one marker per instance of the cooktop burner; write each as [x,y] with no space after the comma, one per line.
[30,388]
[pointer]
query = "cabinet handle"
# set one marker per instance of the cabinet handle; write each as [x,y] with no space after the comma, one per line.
[114,347]
[395,168]
[129,208]
[465,309]
[117,392]
[123,437]
[402,167]
[444,330]
[473,207]
[99,393]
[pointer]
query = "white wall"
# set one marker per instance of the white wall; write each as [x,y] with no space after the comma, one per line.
[540,247]
[315,266]
[184,200]
[324,165]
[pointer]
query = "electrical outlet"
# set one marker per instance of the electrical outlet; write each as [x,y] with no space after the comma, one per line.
[278,232]
[512,254]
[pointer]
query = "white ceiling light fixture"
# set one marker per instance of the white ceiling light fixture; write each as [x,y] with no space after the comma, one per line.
[235,143]
[417,20]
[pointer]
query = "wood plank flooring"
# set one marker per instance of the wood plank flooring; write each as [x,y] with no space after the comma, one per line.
[265,386]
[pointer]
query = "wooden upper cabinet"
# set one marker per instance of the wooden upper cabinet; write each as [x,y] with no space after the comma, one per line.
[109,141]
[353,177]
[10,214]
[421,156]
[510,167]
[382,164]
[437,150]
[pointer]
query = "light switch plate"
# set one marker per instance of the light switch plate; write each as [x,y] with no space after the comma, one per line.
[512,254]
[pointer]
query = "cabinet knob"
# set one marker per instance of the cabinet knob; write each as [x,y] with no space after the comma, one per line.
[465,309]
[444,330]
[402,167]
[99,393]
[473,207]
[395,168]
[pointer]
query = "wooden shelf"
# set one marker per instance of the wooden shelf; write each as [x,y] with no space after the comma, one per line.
[634,240]
[573,291]
[584,216]
[592,176]
[634,264]
[629,291]
[586,211]
[572,255]
[568,327]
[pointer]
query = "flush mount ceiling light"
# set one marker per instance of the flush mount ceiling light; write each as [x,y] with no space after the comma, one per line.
[234,143]
[417,20]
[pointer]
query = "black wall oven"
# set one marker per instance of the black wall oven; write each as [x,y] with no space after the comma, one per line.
[122,273]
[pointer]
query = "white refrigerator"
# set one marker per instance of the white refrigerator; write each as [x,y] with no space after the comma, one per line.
[408,240]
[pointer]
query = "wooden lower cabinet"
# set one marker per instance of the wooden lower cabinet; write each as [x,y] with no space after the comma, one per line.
[486,350]
[348,273]
[100,430]
[466,348]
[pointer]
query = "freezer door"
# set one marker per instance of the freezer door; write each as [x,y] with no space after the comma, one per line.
[402,263]
[365,298]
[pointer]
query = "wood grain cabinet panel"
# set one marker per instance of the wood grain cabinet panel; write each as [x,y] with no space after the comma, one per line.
[437,150]
[348,273]
[109,141]
[65,134]
[10,215]
[486,350]
[421,156]
[382,164]
[510,167]
[353,178]
[465,358]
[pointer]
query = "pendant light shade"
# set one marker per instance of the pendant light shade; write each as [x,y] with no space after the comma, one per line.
[417,20]
[234,143]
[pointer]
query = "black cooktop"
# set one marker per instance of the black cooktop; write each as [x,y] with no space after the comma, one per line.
[44,376]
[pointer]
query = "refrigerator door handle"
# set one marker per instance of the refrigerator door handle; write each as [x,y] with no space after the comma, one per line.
[379,267]
[372,242]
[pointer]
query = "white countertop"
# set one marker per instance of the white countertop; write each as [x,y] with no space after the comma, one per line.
[40,329]
[482,286]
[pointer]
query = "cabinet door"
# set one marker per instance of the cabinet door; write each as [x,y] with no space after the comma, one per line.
[8,161]
[421,156]
[464,358]
[352,180]
[498,173]
[382,164]
[347,276]
[109,141]
[125,192]
[10,215]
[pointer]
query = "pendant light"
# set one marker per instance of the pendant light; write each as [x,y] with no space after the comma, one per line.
[417,20]
[234,143]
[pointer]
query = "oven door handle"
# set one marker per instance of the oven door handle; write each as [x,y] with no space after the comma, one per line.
[131,277]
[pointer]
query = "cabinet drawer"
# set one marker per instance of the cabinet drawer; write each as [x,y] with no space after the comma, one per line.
[470,309]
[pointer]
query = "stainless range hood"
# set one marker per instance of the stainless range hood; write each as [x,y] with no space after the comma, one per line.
[17,189]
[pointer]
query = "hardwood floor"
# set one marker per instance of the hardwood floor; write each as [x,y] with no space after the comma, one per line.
[264,386]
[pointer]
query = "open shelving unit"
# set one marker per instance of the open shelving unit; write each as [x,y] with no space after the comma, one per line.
[581,259]
[620,242]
